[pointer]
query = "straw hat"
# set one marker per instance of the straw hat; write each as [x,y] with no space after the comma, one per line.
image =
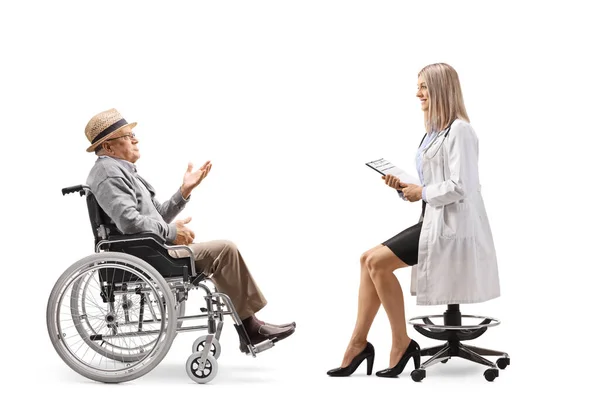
[104,126]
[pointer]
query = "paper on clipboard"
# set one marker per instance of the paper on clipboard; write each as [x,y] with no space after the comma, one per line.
[384,167]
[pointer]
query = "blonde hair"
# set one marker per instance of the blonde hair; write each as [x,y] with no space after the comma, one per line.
[445,96]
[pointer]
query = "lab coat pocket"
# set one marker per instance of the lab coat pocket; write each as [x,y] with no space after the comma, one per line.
[457,222]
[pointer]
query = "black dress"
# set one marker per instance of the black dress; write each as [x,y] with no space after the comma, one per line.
[405,245]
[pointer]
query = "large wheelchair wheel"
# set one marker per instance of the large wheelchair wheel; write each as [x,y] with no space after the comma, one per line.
[111,317]
[130,306]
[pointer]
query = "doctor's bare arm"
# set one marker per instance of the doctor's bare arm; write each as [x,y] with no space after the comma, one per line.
[462,152]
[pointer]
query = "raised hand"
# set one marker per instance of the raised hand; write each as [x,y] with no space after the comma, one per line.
[191,179]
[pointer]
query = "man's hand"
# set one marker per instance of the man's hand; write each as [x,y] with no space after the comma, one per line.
[412,192]
[193,179]
[185,235]
[393,182]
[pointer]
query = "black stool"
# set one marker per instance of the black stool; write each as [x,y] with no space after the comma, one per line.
[453,332]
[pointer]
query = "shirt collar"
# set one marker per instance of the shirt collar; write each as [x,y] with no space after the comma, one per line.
[124,163]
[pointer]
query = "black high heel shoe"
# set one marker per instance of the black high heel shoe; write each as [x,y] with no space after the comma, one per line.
[368,353]
[413,350]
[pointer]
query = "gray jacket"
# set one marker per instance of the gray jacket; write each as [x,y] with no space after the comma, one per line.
[129,200]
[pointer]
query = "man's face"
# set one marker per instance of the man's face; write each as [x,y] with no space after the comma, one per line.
[124,146]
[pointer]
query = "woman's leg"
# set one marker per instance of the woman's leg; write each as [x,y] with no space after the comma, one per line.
[381,264]
[368,305]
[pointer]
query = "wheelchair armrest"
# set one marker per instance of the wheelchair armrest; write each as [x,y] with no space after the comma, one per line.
[148,236]
[136,237]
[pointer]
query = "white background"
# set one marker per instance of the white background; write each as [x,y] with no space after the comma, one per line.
[289,100]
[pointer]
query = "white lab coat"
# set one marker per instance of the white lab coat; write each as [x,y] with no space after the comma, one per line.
[457,258]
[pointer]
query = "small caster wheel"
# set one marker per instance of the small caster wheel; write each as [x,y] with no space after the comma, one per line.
[204,375]
[444,361]
[215,347]
[503,362]
[418,375]
[491,374]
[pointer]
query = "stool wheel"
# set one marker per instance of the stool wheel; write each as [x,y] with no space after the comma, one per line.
[491,374]
[418,375]
[503,362]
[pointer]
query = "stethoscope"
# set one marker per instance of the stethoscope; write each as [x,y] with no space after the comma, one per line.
[445,133]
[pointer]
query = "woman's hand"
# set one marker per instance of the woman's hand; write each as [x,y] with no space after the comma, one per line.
[393,182]
[412,192]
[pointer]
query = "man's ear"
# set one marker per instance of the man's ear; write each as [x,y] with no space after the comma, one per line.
[104,148]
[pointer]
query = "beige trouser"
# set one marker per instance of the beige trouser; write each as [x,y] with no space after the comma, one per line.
[222,262]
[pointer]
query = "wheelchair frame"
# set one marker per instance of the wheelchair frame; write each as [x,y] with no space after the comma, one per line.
[147,270]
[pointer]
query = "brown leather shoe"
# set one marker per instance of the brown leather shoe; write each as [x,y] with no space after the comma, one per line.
[266,332]
[270,332]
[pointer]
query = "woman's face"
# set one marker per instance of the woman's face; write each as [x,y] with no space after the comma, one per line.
[423,94]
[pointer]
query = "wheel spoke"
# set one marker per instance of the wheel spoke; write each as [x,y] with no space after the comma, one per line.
[92,333]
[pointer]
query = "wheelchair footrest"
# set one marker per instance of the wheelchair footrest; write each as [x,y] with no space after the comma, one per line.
[257,348]
[262,346]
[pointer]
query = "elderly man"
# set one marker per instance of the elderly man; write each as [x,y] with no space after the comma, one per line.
[130,202]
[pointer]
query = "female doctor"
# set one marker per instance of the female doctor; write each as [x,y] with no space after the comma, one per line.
[451,247]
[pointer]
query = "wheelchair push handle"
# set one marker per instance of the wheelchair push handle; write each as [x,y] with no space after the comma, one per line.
[73,189]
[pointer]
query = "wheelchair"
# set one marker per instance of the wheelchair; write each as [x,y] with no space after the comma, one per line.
[113,315]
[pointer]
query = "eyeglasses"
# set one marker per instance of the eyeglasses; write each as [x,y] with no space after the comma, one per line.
[129,135]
